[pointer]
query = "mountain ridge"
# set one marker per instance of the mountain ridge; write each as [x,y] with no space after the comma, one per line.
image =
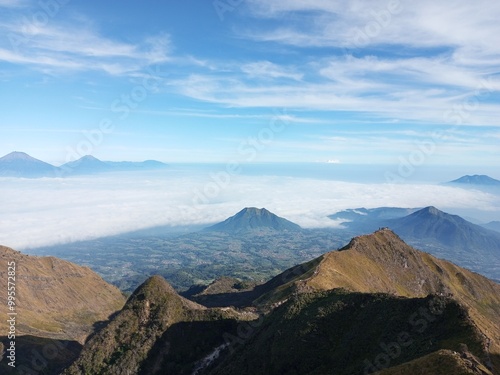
[329,314]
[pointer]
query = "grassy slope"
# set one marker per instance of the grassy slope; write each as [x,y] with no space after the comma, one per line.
[56,298]
[344,333]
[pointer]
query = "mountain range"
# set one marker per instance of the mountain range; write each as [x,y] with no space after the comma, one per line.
[376,305]
[251,219]
[430,229]
[20,164]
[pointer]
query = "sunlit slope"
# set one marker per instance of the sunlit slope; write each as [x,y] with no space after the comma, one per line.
[56,298]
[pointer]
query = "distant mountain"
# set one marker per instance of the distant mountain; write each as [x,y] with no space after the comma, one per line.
[90,165]
[492,225]
[432,225]
[363,220]
[476,180]
[132,166]
[19,164]
[252,218]
[85,165]
[377,304]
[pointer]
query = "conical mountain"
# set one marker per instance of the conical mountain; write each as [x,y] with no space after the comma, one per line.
[252,218]
[85,165]
[20,164]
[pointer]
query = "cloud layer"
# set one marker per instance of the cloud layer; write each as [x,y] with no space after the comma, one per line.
[49,211]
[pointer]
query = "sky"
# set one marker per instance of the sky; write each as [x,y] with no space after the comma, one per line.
[352,82]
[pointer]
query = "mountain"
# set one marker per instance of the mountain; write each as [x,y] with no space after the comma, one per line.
[376,304]
[58,304]
[19,164]
[493,225]
[476,180]
[90,165]
[442,234]
[252,218]
[86,165]
[383,263]
[157,331]
[363,220]
[431,227]
[133,166]
[53,295]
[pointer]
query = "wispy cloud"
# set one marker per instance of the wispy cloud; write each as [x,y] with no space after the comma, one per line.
[57,48]
[267,69]
[415,62]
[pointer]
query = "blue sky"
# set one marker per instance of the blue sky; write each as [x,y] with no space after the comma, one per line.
[190,81]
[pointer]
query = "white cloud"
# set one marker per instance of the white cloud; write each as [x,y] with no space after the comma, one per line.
[56,48]
[263,69]
[48,211]
[458,23]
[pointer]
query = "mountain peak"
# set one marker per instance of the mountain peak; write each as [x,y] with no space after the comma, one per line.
[476,180]
[20,164]
[89,158]
[17,155]
[252,218]
[153,287]
[432,211]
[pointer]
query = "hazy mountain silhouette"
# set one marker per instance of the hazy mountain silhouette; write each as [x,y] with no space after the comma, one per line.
[90,165]
[492,225]
[20,164]
[363,220]
[476,180]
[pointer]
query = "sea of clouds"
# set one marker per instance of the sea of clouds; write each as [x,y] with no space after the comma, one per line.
[40,212]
